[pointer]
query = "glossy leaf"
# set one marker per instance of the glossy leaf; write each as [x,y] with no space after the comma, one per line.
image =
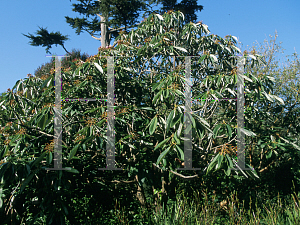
[176,139]
[98,67]
[73,152]
[26,182]
[220,160]
[170,119]
[49,158]
[227,171]
[71,170]
[39,159]
[269,155]
[229,130]
[212,164]
[162,155]
[181,49]
[162,143]
[216,130]
[247,132]
[229,161]
[181,152]
[153,125]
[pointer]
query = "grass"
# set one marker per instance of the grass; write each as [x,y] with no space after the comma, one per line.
[228,211]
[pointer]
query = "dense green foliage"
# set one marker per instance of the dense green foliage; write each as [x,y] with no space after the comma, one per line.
[149,130]
[66,62]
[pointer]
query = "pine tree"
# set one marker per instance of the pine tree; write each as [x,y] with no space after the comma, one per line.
[124,12]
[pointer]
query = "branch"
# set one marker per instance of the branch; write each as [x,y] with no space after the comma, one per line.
[184,177]
[90,33]
[65,49]
[121,28]
[35,129]
[112,29]
[122,181]
[178,174]
[225,143]
[272,163]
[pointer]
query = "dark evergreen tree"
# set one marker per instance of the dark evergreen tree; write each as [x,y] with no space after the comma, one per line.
[47,39]
[187,7]
[122,12]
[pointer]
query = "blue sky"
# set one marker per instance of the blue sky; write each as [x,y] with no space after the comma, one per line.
[250,21]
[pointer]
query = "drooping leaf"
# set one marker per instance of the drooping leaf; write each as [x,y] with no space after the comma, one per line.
[73,152]
[71,170]
[220,160]
[212,164]
[229,130]
[181,152]
[170,119]
[153,125]
[295,146]
[162,155]
[228,171]
[252,171]
[269,155]
[26,182]
[247,132]
[161,143]
[49,158]
[216,129]
[98,67]
[176,139]
[181,49]
[39,159]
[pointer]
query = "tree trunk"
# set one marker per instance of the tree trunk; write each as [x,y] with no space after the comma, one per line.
[104,33]
[141,195]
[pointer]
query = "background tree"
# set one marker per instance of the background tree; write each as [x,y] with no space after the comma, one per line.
[187,7]
[124,12]
[46,39]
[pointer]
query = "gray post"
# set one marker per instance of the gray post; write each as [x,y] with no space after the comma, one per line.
[240,116]
[57,119]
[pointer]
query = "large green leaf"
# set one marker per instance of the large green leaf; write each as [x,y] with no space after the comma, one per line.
[157,96]
[162,155]
[181,152]
[216,130]
[71,170]
[220,160]
[227,171]
[176,120]
[203,121]
[229,130]
[212,164]
[170,119]
[269,155]
[39,159]
[26,182]
[162,143]
[153,125]
[229,161]
[176,139]
[247,132]
[73,152]
[293,144]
